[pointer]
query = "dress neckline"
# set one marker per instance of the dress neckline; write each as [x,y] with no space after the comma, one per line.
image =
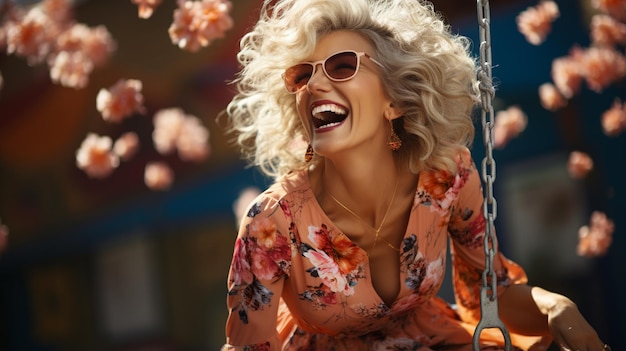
[403,289]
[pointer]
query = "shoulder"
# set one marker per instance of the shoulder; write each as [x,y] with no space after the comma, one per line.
[284,188]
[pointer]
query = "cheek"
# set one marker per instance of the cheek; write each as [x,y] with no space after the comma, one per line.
[301,108]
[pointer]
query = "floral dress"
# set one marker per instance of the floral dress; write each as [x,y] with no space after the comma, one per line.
[296,282]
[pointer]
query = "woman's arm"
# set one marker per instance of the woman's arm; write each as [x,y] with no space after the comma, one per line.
[536,311]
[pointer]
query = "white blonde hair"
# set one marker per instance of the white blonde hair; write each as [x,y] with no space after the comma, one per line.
[428,73]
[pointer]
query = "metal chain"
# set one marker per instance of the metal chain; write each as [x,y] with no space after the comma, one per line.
[488,294]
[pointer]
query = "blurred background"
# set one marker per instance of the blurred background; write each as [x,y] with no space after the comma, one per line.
[109,264]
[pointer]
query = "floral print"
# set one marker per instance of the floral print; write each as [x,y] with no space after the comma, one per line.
[262,254]
[337,261]
[299,282]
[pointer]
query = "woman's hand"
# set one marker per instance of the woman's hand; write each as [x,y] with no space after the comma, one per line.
[570,329]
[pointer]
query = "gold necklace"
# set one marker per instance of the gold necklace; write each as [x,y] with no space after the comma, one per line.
[377,231]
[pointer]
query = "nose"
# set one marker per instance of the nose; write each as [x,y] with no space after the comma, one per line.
[318,80]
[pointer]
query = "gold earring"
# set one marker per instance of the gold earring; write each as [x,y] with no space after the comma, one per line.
[394,141]
[308,156]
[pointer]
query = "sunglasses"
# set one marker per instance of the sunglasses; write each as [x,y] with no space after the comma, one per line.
[338,67]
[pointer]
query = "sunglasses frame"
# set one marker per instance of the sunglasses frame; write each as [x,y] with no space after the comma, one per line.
[358,55]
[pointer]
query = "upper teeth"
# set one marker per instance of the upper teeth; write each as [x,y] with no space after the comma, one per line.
[327,108]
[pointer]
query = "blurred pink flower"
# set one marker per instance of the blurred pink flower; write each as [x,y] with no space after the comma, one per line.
[614,119]
[158,176]
[59,11]
[197,23]
[46,32]
[595,239]
[95,43]
[192,142]
[95,157]
[602,66]
[535,23]
[567,76]
[509,124]
[121,100]
[167,126]
[126,146]
[70,69]
[579,164]
[607,31]
[31,36]
[614,8]
[173,130]
[146,7]
[550,97]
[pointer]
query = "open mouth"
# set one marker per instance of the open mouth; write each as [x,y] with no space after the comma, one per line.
[328,115]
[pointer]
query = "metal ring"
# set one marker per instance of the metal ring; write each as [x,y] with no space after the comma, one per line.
[606,347]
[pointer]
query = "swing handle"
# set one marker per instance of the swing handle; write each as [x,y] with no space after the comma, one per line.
[489,319]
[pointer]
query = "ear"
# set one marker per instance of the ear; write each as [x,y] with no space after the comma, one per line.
[392,112]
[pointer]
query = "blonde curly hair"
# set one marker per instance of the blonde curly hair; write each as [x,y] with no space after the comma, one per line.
[428,73]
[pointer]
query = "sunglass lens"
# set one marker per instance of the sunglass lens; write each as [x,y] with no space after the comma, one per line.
[342,66]
[297,76]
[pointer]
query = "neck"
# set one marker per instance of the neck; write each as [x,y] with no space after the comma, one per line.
[365,187]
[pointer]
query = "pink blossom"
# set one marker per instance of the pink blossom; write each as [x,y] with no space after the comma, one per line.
[126,146]
[60,11]
[319,237]
[509,124]
[579,164]
[567,76]
[197,23]
[602,66]
[329,272]
[95,43]
[174,130]
[121,100]
[595,239]
[95,157]
[614,119]
[146,7]
[262,265]
[550,97]
[158,176]
[71,69]
[264,231]
[241,273]
[32,36]
[167,126]
[192,141]
[535,23]
[614,8]
[607,31]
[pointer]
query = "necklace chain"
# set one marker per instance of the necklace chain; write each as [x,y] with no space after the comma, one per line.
[376,230]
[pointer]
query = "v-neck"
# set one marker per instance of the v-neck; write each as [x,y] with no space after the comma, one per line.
[370,283]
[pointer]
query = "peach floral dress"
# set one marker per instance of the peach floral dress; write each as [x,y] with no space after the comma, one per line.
[298,283]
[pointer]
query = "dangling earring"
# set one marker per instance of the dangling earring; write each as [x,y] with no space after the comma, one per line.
[308,156]
[394,141]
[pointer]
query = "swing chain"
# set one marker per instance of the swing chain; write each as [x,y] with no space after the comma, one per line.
[488,293]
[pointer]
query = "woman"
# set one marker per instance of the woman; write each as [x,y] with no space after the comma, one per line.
[346,251]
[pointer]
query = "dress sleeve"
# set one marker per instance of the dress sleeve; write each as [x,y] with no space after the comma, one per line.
[467,231]
[261,262]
